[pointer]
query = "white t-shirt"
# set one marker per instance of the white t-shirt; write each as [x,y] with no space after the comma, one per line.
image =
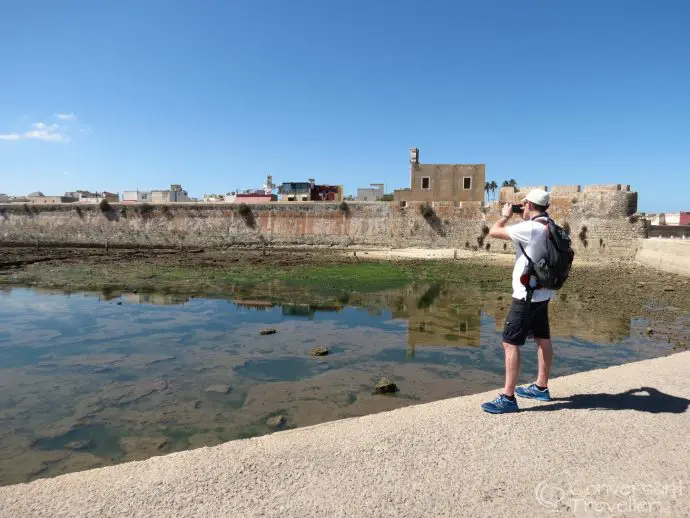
[532,235]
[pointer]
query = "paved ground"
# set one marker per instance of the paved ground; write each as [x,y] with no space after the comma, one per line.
[615,443]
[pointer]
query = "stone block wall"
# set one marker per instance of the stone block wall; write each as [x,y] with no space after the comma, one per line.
[565,189]
[609,231]
[527,188]
[568,201]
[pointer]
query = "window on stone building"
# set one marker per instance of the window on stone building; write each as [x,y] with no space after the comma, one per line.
[467,182]
[426,182]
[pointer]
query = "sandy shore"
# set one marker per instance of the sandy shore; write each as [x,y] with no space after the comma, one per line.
[613,443]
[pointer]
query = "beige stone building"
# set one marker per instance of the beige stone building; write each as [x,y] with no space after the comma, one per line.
[443,182]
[38,198]
[173,195]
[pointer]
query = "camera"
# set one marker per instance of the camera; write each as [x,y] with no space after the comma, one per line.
[517,209]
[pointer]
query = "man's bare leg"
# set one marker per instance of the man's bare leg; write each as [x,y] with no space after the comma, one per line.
[544,358]
[512,353]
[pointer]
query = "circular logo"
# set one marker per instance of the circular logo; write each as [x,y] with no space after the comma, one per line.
[549,495]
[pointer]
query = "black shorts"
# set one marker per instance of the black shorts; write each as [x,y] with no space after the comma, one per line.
[524,321]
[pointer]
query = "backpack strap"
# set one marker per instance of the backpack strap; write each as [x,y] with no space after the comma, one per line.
[529,259]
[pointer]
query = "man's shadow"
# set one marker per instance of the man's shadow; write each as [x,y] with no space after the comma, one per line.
[654,402]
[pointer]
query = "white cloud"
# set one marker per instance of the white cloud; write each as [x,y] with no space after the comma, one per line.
[40,131]
[66,116]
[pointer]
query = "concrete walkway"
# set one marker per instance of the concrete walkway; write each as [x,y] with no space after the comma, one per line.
[615,443]
[667,255]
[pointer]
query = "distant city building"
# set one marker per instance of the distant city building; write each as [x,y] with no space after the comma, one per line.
[109,196]
[269,186]
[253,197]
[443,182]
[38,198]
[671,218]
[214,198]
[93,197]
[371,193]
[263,195]
[326,193]
[136,197]
[309,191]
[295,191]
[4,198]
[80,194]
[173,195]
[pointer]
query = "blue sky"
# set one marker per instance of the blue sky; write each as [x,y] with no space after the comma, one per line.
[215,94]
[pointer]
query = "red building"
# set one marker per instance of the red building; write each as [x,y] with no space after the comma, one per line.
[326,193]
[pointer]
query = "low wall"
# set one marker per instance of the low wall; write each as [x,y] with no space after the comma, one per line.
[674,231]
[668,255]
[595,229]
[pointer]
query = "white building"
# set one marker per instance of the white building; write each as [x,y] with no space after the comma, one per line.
[136,197]
[371,193]
[4,198]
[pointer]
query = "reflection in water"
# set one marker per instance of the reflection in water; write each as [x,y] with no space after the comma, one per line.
[436,317]
[92,379]
[155,298]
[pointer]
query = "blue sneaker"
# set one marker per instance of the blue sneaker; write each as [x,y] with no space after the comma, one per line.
[532,392]
[500,405]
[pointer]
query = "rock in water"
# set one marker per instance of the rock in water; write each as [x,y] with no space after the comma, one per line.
[220,389]
[275,421]
[384,385]
[319,351]
[78,445]
[268,332]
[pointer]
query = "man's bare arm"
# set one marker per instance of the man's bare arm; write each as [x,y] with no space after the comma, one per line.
[498,230]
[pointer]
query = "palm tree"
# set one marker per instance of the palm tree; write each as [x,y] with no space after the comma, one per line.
[509,183]
[493,186]
[487,188]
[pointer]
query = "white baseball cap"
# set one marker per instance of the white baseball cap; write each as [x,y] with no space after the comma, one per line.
[538,197]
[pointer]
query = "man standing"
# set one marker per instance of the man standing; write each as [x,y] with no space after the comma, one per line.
[529,312]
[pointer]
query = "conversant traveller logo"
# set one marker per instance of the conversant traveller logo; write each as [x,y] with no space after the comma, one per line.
[563,493]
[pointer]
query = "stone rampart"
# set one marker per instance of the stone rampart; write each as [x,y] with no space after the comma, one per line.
[598,222]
